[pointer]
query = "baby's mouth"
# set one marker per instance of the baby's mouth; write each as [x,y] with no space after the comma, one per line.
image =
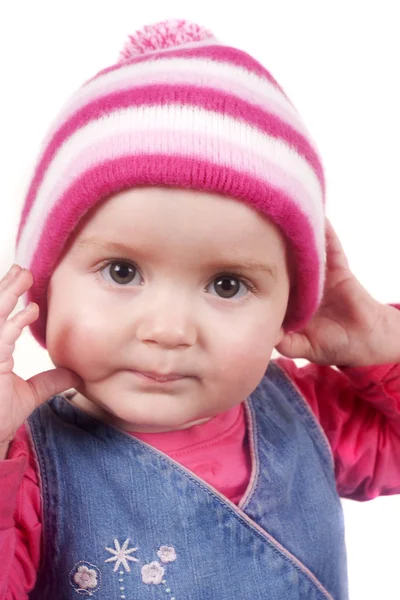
[161,378]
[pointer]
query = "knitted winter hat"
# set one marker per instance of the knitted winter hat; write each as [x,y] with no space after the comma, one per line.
[178,109]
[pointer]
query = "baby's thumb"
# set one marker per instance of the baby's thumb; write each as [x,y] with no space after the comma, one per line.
[49,383]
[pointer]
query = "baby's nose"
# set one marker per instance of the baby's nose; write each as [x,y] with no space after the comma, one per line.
[168,323]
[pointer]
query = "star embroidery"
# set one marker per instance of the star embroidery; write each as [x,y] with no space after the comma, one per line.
[121,555]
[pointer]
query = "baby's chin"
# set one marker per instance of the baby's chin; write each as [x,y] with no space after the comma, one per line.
[151,414]
[162,428]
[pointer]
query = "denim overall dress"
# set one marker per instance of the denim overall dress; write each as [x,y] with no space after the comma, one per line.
[124,521]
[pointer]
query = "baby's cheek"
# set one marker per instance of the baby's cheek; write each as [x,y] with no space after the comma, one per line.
[243,362]
[76,342]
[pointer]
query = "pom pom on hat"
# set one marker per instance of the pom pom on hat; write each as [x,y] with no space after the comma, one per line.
[163,35]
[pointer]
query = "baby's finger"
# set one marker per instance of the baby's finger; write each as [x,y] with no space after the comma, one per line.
[12,329]
[47,384]
[294,345]
[12,290]
[9,276]
[336,257]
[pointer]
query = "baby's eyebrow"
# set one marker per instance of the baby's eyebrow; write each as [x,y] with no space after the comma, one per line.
[223,265]
[103,244]
[245,265]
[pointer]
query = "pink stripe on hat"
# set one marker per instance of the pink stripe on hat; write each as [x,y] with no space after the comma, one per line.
[186,131]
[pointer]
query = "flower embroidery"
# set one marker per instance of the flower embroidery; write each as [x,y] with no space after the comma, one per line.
[85,578]
[152,573]
[121,555]
[166,554]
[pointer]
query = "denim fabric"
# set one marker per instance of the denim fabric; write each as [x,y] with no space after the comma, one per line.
[124,521]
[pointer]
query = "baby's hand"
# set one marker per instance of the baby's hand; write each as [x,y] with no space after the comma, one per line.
[19,398]
[350,328]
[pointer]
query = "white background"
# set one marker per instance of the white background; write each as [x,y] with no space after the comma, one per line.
[339,63]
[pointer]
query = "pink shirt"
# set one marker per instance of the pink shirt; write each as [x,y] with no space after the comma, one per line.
[358,410]
[216,451]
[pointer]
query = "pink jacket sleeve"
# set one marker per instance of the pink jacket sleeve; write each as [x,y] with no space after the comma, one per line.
[20,520]
[359,411]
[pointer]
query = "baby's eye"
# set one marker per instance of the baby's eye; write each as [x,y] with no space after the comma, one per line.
[227,286]
[121,273]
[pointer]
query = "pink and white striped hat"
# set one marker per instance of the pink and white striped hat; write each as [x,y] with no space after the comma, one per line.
[178,109]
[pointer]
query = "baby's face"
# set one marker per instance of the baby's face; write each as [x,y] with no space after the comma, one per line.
[168,281]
